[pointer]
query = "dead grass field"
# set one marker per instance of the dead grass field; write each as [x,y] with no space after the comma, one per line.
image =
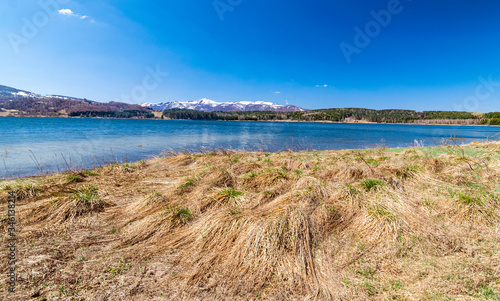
[377,224]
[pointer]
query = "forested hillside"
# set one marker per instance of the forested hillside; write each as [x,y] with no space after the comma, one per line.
[342,115]
[60,107]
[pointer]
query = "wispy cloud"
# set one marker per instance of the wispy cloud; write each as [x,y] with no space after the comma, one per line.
[70,13]
[277,92]
[321,86]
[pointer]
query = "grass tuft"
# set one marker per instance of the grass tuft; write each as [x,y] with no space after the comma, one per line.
[188,184]
[85,200]
[74,179]
[24,191]
[369,184]
[181,215]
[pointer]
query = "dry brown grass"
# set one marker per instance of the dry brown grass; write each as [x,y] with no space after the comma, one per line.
[409,224]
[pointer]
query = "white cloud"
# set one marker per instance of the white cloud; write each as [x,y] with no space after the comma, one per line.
[277,92]
[69,12]
[66,12]
[321,86]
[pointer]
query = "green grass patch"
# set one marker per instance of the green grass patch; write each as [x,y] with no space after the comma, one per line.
[433,152]
[230,193]
[250,174]
[298,172]
[370,184]
[74,179]
[467,198]
[91,173]
[397,150]
[489,294]
[372,161]
[87,194]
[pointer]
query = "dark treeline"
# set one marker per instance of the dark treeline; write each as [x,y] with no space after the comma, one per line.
[337,115]
[492,121]
[113,114]
[240,115]
[492,115]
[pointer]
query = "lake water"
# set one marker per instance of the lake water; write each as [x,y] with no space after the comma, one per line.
[52,144]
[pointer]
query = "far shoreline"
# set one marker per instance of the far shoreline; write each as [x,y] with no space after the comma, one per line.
[283,121]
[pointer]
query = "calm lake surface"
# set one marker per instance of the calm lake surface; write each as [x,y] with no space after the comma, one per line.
[26,144]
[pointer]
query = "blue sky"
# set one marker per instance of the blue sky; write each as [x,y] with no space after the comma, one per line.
[408,54]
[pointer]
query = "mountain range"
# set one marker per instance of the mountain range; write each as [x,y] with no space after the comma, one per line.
[32,103]
[207,105]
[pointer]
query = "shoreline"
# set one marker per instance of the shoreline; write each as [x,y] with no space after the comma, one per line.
[48,173]
[283,121]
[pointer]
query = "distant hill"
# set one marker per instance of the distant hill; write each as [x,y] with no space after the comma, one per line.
[15,102]
[207,105]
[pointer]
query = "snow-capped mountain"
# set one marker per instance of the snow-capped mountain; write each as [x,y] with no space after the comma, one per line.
[207,105]
[14,93]
[9,93]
